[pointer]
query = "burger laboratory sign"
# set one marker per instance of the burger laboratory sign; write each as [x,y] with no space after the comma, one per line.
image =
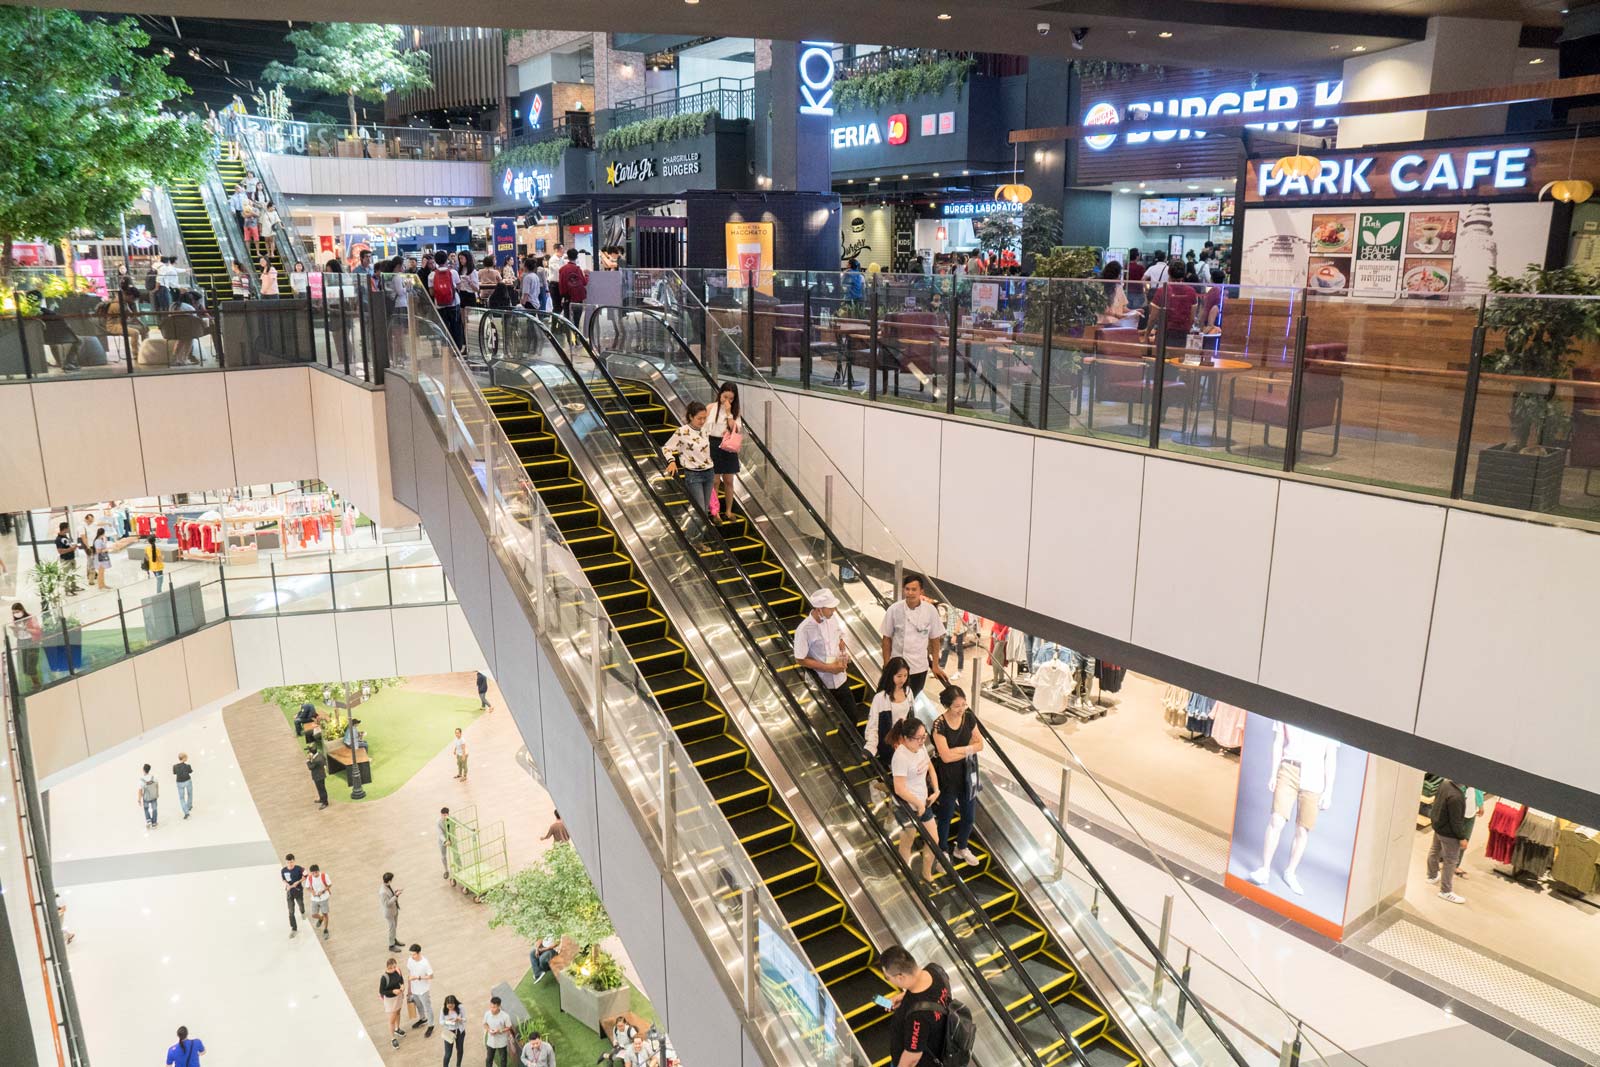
[1278,98]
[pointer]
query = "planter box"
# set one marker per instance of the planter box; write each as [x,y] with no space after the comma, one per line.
[589,1007]
[62,651]
[1510,479]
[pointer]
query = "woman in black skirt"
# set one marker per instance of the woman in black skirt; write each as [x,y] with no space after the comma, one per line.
[722,421]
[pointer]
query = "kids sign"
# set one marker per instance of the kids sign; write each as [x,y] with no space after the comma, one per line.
[1477,172]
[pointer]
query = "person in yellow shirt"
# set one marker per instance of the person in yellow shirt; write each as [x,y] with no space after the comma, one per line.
[155,562]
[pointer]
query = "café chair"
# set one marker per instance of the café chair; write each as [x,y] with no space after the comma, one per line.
[911,341]
[1122,372]
[1267,403]
[1583,450]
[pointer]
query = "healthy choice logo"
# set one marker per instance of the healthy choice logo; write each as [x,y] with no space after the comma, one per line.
[1243,101]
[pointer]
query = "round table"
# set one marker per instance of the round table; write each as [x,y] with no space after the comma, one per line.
[1205,374]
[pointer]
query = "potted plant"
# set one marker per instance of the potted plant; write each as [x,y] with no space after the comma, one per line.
[63,633]
[554,897]
[1536,341]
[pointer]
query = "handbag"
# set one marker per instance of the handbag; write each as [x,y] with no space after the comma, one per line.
[731,441]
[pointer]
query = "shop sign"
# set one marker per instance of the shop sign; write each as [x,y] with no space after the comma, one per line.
[899,128]
[896,130]
[536,112]
[1462,172]
[1231,102]
[749,248]
[505,237]
[685,163]
[816,78]
[447,201]
[638,170]
[525,184]
[972,209]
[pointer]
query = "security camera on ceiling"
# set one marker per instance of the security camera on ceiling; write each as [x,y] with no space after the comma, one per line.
[1078,35]
[1043,28]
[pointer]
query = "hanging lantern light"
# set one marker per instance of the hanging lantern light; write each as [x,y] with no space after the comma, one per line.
[1570,190]
[1015,192]
[1298,166]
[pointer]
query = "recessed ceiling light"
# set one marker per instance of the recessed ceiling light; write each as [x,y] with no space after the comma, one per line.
[849,181]
[1124,190]
[935,174]
[1218,189]
[1536,60]
[905,177]
[1359,48]
[1335,47]
[944,16]
[1141,185]
[1193,187]
[1164,34]
[965,173]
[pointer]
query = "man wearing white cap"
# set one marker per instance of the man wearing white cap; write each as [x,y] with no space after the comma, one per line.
[819,645]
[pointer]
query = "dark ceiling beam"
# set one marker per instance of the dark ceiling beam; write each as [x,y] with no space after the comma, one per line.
[1247,17]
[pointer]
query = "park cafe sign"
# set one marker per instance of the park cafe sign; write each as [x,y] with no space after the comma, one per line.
[1480,171]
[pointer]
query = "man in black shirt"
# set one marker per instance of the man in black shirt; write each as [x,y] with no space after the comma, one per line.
[294,888]
[1449,818]
[917,1029]
[67,553]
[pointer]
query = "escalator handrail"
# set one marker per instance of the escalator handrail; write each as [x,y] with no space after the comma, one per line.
[798,714]
[287,235]
[229,240]
[766,453]
[1172,973]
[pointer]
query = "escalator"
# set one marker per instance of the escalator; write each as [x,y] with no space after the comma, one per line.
[1074,1004]
[231,169]
[200,242]
[838,950]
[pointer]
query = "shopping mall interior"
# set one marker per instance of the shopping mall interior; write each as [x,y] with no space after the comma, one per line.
[708,551]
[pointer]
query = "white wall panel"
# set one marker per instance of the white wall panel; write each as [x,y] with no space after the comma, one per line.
[310,646]
[1084,545]
[900,480]
[163,684]
[184,432]
[465,655]
[257,652]
[80,465]
[22,483]
[837,435]
[274,432]
[421,640]
[985,480]
[361,476]
[55,728]
[339,176]
[327,408]
[631,886]
[1512,671]
[402,470]
[1351,596]
[110,701]
[208,657]
[469,572]
[391,512]
[366,644]
[695,1009]
[1205,546]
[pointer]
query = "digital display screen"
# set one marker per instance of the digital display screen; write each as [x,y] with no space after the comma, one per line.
[1158,211]
[1225,217]
[1199,211]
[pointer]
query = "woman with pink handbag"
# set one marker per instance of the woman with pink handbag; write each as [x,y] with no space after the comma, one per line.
[726,434]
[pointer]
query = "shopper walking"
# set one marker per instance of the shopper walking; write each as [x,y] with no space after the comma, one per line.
[483,692]
[574,287]
[915,785]
[911,629]
[819,645]
[453,1023]
[459,747]
[690,444]
[28,636]
[892,702]
[446,831]
[100,548]
[187,1051]
[317,764]
[466,280]
[389,902]
[148,792]
[1449,818]
[557,832]
[496,1034]
[320,888]
[67,555]
[442,284]
[155,561]
[391,989]
[419,980]
[185,778]
[294,890]
[725,432]
[918,1030]
[956,742]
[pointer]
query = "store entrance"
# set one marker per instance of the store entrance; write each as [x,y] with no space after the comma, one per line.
[662,242]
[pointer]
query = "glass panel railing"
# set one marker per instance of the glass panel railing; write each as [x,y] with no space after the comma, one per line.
[742,924]
[289,138]
[862,528]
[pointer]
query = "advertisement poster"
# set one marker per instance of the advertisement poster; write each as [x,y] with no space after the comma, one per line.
[1431,233]
[503,234]
[1328,272]
[1377,263]
[1425,276]
[985,296]
[325,242]
[749,249]
[1332,235]
[1294,823]
[788,983]
[94,272]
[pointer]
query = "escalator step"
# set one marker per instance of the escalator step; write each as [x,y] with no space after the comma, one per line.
[606,567]
[677,686]
[696,720]
[591,540]
[623,596]
[651,652]
[858,989]
[836,952]
[646,621]
[739,792]
[718,755]
[786,868]
[762,829]
[811,909]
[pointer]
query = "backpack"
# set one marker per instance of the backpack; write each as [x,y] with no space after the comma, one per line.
[959,1033]
[576,288]
[443,286]
[150,790]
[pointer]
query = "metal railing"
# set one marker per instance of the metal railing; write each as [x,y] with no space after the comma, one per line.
[289,138]
[732,98]
[288,240]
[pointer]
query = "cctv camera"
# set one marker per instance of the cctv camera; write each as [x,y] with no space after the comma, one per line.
[1043,28]
[1078,35]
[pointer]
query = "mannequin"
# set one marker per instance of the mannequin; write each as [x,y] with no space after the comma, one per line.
[1301,782]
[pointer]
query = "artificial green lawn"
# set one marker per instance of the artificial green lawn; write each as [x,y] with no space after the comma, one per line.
[404,731]
[572,1041]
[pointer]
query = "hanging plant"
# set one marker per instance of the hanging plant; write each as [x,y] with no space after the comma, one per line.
[873,90]
[652,131]
[546,154]
[1094,73]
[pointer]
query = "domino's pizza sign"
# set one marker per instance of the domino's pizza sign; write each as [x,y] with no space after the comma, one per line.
[525,185]
[535,111]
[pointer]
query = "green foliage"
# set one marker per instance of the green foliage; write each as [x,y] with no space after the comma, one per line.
[1077,303]
[649,131]
[552,898]
[54,581]
[537,1022]
[290,697]
[86,123]
[545,154]
[871,90]
[1096,72]
[596,970]
[354,59]
[1538,339]
[996,232]
[1040,231]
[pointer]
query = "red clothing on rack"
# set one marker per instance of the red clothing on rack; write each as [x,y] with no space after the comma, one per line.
[143,523]
[1503,825]
[163,528]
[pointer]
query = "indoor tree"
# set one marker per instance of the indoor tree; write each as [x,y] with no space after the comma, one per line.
[87,124]
[1537,340]
[352,59]
[554,897]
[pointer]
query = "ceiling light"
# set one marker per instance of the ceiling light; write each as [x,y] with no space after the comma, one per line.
[935,174]
[1124,190]
[1014,194]
[849,181]
[1299,166]
[1164,34]
[965,173]
[944,16]
[1359,48]
[905,177]
[1218,189]
[1335,47]
[1536,60]
[1141,185]
[691,1]
[1194,187]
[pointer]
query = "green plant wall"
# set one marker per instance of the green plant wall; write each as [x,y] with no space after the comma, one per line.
[651,131]
[866,91]
[546,154]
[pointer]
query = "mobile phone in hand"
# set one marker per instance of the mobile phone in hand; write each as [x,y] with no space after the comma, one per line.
[883,1002]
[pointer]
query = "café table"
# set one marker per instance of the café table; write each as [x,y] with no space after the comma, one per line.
[1205,377]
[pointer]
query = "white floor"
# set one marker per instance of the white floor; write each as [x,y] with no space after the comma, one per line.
[184,924]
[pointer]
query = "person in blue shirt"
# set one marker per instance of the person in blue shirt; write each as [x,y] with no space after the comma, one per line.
[188,1050]
[855,282]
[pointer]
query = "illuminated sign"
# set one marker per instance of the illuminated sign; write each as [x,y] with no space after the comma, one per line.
[1449,171]
[899,129]
[535,111]
[970,209]
[1246,102]
[680,165]
[638,170]
[860,135]
[816,78]
[525,185]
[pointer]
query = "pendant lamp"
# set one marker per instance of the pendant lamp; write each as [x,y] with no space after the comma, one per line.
[1570,190]
[1016,192]
[1298,166]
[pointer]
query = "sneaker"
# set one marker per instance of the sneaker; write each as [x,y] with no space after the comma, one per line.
[1260,876]
[419,1024]
[1293,882]
[394,1042]
[965,856]
[539,979]
[325,934]
[293,933]
[1453,898]
[1433,879]
[429,1031]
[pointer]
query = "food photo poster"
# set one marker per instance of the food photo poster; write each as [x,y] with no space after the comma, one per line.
[1392,250]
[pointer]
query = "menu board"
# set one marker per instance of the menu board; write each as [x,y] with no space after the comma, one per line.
[1158,211]
[1225,214]
[1199,211]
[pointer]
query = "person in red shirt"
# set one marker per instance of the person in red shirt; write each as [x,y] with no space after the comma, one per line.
[1135,269]
[1179,298]
[574,282]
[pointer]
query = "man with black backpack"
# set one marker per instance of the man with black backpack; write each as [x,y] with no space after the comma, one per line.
[442,284]
[928,1028]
